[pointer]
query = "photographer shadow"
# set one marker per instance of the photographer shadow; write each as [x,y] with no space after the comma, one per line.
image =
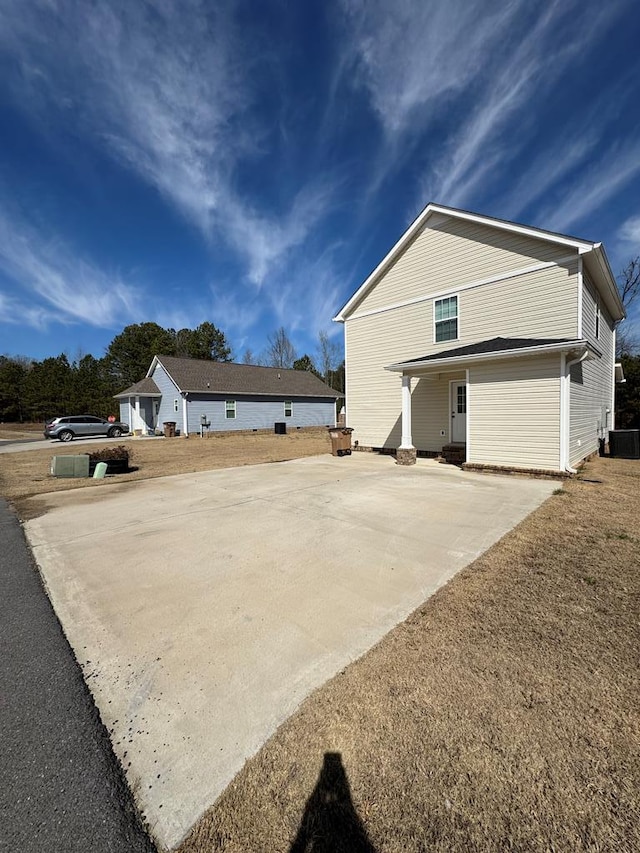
[330,823]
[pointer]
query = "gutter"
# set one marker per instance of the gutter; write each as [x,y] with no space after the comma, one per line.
[561,346]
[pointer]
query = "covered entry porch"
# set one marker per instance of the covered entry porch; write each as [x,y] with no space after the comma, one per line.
[434,414]
[140,405]
[501,403]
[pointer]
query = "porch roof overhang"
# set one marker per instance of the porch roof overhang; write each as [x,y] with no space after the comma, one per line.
[493,350]
[144,388]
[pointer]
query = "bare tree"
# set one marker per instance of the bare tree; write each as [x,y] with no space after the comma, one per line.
[328,357]
[280,351]
[627,340]
[249,357]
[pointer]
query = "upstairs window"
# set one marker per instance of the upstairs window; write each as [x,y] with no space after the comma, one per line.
[230,408]
[288,409]
[445,313]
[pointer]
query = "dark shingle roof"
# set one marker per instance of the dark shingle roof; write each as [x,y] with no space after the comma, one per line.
[145,386]
[493,345]
[217,377]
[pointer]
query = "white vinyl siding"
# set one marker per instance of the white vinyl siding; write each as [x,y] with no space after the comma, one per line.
[591,387]
[541,304]
[514,407]
[452,253]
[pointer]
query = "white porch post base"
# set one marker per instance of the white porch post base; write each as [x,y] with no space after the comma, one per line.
[406,453]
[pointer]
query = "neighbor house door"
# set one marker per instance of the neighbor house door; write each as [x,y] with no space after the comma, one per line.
[458,394]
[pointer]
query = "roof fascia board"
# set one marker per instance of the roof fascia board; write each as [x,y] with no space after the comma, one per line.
[609,279]
[419,221]
[138,394]
[513,227]
[391,254]
[565,346]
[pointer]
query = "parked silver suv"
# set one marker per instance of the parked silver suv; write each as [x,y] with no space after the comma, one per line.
[76,426]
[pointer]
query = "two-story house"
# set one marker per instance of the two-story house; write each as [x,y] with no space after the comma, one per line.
[491,340]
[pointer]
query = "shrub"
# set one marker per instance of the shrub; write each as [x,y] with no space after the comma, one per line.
[109,453]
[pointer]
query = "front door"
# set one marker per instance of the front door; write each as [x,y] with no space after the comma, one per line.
[458,393]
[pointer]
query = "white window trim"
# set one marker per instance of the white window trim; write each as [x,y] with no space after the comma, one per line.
[457,317]
[290,407]
[227,416]
[597,318]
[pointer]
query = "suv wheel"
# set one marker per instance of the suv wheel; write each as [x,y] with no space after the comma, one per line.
[114,432]
[65,435]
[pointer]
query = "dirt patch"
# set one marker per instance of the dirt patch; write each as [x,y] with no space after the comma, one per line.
[26,474]
[502,715]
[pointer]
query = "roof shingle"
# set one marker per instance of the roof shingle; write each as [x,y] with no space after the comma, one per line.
[218,377]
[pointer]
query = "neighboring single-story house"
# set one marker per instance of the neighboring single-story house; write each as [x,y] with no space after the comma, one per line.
[489,342]
[225,396]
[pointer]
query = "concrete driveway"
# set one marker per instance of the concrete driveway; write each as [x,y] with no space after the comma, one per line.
[205,607]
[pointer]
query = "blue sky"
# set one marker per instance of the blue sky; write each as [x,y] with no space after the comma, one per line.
[249,163]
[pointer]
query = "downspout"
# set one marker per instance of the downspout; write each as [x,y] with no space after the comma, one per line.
[566,407]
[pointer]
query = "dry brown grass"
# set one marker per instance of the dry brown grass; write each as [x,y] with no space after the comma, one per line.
[502,715]
[26,473]
[11,432]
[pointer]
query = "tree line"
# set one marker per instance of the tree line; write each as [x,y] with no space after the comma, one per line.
[33,390]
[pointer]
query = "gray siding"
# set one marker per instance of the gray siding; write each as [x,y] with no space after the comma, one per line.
[169,394]
[255,412]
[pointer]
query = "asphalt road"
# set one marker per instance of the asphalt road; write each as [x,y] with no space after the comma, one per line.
[61,788]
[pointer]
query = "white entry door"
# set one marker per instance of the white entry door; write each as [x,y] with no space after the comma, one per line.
[458,394]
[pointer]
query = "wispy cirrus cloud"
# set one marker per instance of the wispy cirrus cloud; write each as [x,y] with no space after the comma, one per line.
[167,89]
[68,288]
[595,185]
[500,121]
[411,57]
[629,232]
[467,77]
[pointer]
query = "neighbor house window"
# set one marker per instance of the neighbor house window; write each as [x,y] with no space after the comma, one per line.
[446,318]
[288,408]
[175,406]
[230,408]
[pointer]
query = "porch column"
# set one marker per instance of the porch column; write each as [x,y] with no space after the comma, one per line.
[185,420]
[406,453]
[137,421]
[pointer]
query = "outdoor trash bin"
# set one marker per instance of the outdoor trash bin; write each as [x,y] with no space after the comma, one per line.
[169,429]
[340,440]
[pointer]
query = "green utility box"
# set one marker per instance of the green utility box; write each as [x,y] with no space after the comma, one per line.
[70,466]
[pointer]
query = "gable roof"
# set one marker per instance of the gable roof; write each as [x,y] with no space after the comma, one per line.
[145,388]
[221,377]
[495,348]
[593,253]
